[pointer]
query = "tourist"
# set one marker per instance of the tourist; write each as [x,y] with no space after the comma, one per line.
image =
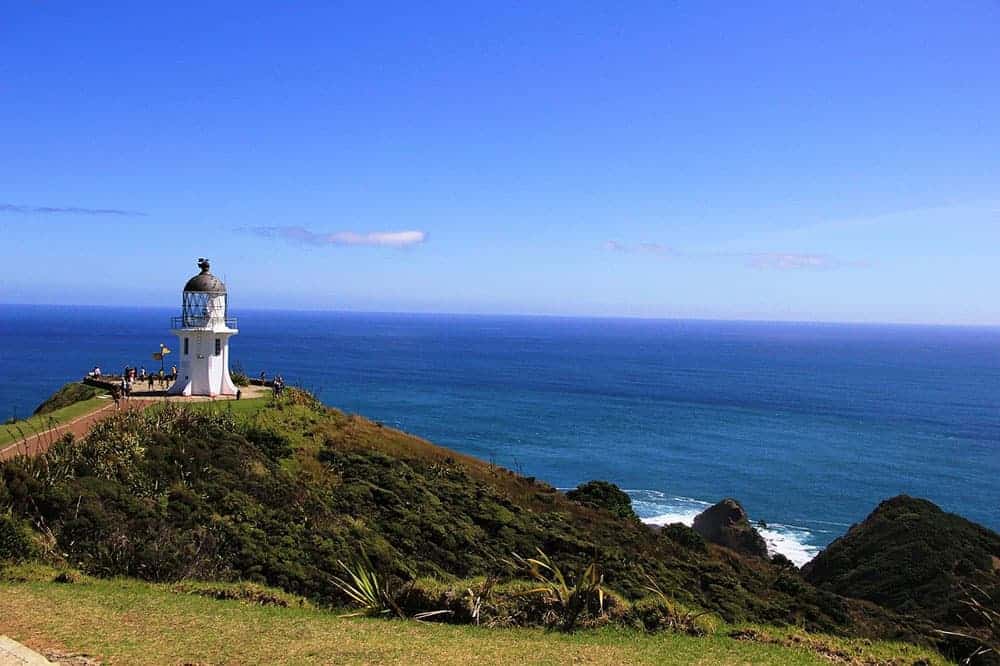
[116,395]
[96,372]
[263,378]
[173,373]
[142,372]
[239,394]
[150,381]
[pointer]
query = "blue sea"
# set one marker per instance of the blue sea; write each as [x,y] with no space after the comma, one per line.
[808,425]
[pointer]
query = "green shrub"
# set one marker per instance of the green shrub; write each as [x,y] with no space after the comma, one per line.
[584,595]
[67,395]
[274,445]
[685,537]
[657,613]
[517,603]
[15,544]
[248,593]
[604,495]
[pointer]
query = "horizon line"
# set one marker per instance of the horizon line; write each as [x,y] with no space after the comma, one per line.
[548,315]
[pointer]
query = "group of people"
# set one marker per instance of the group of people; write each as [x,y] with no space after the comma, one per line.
[278,385]
[131,375]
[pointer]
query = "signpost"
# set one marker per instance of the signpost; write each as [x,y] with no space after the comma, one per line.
[158,356]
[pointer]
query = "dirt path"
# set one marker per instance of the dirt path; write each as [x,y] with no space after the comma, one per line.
[40,442]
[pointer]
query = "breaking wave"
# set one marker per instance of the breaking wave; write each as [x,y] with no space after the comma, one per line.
[795,542]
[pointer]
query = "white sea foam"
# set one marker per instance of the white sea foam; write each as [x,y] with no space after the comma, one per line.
[790,542]
[656,508]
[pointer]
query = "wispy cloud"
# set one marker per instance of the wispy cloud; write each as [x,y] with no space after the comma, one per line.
[646,248]
[781,261]
[68,210]
[791,261]
[372,238]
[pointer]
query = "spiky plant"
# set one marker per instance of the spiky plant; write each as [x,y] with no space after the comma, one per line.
[984,611]
[571,598]
[479,597]
[677,618]
[362,586]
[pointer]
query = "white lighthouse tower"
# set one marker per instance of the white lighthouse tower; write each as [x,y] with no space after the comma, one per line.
[203,331]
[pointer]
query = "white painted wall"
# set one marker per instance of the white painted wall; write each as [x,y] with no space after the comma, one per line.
[201,371]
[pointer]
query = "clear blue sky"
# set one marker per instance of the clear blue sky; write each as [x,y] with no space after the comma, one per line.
[798,160]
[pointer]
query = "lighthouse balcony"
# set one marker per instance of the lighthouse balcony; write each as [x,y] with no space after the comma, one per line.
[203,321]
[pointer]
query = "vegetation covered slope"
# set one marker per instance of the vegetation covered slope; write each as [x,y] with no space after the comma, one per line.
[279,493]
[912,557]
[69,394]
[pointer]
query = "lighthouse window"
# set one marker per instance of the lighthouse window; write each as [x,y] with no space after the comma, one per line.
[185,346]
[218,346]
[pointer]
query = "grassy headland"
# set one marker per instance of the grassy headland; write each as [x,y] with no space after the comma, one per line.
[286,493]
[70,402]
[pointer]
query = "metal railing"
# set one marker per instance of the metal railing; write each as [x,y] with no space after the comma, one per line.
[198,321]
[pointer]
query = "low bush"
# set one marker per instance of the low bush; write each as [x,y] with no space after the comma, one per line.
[685,537]
[656,613]
[249,593]
[604,495]
[15,544]
[514,603]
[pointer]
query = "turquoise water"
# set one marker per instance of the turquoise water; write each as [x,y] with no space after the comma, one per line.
[808,425]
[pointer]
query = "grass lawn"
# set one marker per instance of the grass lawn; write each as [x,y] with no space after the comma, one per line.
[125,621]
[27,427]
[238,407]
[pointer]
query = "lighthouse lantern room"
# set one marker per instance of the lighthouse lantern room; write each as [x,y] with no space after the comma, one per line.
[203,332]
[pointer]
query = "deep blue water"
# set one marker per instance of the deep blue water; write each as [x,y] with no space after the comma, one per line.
[809,425]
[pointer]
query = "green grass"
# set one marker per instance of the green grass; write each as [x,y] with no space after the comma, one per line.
[241,408]
[28,427]
[125,621]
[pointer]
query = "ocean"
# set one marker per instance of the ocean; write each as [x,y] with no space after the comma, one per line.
[809,426]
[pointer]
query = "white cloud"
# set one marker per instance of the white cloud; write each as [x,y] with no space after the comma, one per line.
[405,238]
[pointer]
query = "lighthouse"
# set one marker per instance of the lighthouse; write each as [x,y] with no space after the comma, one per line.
[203,331]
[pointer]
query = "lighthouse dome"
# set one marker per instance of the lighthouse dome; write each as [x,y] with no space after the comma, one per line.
[205,281]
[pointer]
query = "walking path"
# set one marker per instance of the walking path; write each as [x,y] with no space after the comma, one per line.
[13,653]
[41,442]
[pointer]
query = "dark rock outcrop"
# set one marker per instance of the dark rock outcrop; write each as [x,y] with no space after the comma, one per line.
[726,524]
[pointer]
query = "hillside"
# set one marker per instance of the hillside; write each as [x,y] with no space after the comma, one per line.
[278,493]
[912,557]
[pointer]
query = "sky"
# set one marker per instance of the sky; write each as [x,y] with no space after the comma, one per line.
[786,161]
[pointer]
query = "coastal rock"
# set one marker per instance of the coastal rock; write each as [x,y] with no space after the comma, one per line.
[726,524]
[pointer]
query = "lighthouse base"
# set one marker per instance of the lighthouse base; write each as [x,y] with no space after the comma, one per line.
[204,363]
